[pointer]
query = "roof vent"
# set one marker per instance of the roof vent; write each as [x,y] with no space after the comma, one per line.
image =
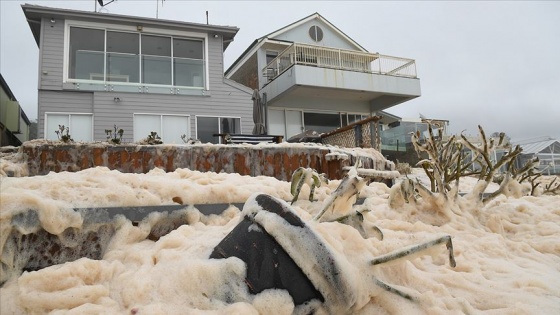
[316,33]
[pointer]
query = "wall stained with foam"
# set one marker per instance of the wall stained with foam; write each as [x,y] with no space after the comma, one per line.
[275,161]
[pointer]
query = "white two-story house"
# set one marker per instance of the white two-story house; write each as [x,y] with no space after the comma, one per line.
[97,70]
[313,76]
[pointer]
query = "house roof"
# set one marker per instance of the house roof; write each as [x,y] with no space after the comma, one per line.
[34,13]
[259,41]
[388,116]
[320,18]
[6,89]
[537,147]
[12,97]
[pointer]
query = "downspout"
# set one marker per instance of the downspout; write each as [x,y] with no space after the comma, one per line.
[265,110]
[41,119]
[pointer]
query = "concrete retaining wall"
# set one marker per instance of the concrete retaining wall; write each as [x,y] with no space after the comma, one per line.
[275,161]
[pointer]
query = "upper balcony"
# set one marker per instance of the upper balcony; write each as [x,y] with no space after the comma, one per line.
[381,80]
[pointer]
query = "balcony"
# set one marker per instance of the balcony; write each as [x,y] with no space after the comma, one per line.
[340,59]
[308,71]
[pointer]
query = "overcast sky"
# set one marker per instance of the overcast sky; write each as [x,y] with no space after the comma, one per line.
[496,64]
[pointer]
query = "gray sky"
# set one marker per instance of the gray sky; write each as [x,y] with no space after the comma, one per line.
[496,64]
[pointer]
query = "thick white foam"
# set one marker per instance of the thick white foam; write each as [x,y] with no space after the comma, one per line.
[507,251]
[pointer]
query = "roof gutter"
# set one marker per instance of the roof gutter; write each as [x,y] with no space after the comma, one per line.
[35,13]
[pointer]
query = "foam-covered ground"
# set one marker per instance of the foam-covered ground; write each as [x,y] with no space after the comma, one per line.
[507,251]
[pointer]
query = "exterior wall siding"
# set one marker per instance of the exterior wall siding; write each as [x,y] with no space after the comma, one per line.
[64,102]
[331,38]
[222,98]
[51,55]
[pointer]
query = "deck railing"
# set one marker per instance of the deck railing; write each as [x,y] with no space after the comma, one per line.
[340,59]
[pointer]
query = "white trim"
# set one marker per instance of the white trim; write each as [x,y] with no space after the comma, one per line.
[105,53]
[323,111]
[214,116]
[41,51]
[293,25]
[66,52]
[132,28]
[206,63]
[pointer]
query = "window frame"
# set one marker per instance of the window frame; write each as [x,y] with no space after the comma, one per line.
[219,125]
[150,31]
[315,34]
[160,133]
[271,53]
[303,111]
[45,123]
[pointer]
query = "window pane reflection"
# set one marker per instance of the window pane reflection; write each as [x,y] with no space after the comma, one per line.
[86,53]
[156,70]
[188,72]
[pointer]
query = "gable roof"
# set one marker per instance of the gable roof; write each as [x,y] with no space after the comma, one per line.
[537,147]
[270,36]
[34,14]
[308,18]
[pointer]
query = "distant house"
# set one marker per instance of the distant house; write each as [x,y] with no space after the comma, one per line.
[546,149]
[313,76]
[14,124]
[397,134]
[97,70]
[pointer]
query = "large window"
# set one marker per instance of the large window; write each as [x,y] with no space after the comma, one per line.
[87,54]
[169,128]
[80,126]
[206,127]
[321,122]
[132,57]
[188,63]
[156,60]
[289,122]
[122,57]
[285,122]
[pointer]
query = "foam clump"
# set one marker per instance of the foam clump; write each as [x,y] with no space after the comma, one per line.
[507,251]
[12,163]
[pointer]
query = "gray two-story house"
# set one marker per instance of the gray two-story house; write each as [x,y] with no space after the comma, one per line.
[315,77]
[97,70]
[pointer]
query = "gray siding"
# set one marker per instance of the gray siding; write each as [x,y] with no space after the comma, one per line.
[222,99]
[107,112]
[52,55]
[63,102]
[331,38]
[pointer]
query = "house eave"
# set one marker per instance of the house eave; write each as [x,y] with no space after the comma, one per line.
[35,13]
[252,49]
[319,17]
[238,86]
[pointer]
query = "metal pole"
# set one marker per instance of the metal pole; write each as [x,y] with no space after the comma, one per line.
[265,110]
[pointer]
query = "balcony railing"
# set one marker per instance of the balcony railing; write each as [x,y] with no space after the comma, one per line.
[340,59]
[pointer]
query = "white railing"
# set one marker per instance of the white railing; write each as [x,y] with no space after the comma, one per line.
[349,60]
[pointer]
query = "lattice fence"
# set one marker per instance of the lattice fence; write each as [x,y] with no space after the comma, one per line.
[363,134]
